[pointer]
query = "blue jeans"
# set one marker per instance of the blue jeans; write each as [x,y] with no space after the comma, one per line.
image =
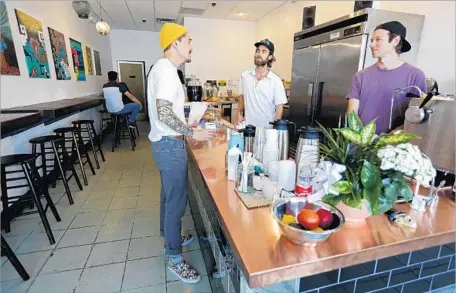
[170,154]
[134,108]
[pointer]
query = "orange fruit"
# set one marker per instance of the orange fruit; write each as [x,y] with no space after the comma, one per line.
[309,219]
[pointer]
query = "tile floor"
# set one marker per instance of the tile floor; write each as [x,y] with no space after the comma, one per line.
[108,241]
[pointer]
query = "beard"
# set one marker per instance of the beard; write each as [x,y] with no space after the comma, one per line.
[260,62]
[188,59]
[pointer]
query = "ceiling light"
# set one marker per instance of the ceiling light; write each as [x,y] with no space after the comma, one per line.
[102,26]
[82,8]
[241,13]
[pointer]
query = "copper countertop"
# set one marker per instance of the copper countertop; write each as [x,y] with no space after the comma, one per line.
[266,257]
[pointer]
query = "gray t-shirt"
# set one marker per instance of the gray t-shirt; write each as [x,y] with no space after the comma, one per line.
[373,87]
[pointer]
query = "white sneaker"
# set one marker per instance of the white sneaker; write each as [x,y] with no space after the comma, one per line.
[184,272]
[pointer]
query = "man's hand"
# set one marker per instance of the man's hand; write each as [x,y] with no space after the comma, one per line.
[203,134]
[140,105]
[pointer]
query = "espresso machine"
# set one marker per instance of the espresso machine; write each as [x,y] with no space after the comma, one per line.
[432,118]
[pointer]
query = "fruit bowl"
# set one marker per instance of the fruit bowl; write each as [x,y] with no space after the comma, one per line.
[301,236]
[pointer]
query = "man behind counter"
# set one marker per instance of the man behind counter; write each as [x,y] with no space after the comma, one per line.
[262,91]
[372,88]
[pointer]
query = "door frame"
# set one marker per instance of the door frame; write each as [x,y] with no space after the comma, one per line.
[143,63]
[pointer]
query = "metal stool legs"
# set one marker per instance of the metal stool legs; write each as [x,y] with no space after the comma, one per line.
[14,261]
[36,198]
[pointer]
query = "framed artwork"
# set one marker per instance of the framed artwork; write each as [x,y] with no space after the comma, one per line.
[59,55]
[31,31]
[96,57]
[88,54]
[8,58]
[78,60]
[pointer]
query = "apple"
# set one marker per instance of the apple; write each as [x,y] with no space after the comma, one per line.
[326,218]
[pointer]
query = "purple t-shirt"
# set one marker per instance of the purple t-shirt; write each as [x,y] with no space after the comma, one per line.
[373,87]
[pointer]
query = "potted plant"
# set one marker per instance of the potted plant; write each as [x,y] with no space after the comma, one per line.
[378,168]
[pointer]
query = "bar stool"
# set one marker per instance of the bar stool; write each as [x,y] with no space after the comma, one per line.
[103,120]
[6,249]
[87,126]
[120,126]
[36,185]
[60,160]
[77,148]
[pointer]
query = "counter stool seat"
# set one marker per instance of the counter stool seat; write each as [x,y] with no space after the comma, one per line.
[10,160]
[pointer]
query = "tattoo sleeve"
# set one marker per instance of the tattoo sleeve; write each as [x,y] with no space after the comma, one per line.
[167,116]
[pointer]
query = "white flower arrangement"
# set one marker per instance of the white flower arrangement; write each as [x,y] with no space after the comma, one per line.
[407,159]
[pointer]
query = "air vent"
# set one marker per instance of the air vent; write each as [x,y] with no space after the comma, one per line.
[191,11]
[165,20]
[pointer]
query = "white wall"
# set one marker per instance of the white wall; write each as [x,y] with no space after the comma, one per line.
[436,55]
[281,25]
[135,46]
[59,15]
[222,49]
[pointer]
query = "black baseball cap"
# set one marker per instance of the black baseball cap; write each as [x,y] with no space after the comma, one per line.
[267,43]
[399,29]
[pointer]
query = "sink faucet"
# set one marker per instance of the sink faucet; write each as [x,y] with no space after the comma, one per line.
[394,95]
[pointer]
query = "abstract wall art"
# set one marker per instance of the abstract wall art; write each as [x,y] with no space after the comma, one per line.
[31,32]
[96,57]
[78,60]
[8,58]
[89,65]
[59,55]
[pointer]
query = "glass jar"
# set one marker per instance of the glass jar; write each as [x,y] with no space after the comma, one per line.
[244,179]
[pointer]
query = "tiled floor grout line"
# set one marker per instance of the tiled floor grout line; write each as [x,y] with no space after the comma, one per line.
[126,258]
[144,207]
[56,245]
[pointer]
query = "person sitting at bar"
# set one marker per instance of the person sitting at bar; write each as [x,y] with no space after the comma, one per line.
[372,88]
[115,92]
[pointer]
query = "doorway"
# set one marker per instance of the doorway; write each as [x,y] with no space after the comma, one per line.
[133,74]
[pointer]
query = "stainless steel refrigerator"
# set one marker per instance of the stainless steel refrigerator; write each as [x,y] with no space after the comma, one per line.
[326,57]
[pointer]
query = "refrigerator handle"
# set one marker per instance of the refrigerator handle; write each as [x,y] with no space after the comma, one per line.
[310,94]
[318,99]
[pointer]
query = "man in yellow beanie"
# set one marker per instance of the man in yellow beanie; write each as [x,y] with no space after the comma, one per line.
[168,129]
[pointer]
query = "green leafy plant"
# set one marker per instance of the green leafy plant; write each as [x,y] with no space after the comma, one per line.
[356,147]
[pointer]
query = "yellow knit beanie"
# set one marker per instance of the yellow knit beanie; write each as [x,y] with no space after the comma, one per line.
[171,32]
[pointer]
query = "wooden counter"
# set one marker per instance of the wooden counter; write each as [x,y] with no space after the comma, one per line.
[266,257]
[57,109]
[11,122]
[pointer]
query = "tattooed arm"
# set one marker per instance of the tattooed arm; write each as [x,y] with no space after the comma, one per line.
[167,116]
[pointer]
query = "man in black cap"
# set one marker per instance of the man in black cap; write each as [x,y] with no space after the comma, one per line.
[262,91]
[372,88]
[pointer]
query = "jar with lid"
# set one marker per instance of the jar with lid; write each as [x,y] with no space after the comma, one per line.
[194,90]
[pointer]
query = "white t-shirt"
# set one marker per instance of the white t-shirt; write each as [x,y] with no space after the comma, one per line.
[164,84]
[261,97]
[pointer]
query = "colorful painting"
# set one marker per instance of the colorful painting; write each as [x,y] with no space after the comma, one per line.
[78,60]
[59,54]
[8,58]
[32,38]
[89,64]
[96,57]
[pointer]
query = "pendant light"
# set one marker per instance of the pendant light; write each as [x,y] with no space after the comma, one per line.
[102,26]
[82,8]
